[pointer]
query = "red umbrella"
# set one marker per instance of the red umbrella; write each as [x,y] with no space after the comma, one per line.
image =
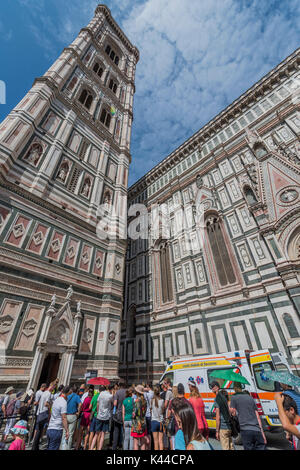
[99,381]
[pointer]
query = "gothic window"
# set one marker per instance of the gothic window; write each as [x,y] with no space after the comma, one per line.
[117,129]
[289,323]
[98,69]
[140,347]
[113,86]
[165,273]
[250,196]
[86,99]
[198,339]
[294,245]
[34,154]
[111,53]
[105,117]
[72,83]
[131,322]
[219,251]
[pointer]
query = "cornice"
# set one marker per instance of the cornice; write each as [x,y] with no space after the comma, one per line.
[107,13]
[239,106]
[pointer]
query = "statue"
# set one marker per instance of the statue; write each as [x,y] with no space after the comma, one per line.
[86,189]
[79,307]
[53,301]
[34,154]
[69,293]
[62,173]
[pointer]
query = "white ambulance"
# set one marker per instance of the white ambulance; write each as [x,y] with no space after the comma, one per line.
[250,364]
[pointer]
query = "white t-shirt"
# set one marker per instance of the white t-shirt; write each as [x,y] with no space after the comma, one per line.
[104,400]
[59,408]
[45,397]
[158,412]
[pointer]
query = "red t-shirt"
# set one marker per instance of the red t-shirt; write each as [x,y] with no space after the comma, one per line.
[198,405]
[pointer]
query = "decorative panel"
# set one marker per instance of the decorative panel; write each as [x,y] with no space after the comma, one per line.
[29,328]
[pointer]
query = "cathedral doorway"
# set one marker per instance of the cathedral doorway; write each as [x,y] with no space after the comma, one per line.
[50,369]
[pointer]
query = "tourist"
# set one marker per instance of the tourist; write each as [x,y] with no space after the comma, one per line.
[25,405]
[288,390]
[199,408]
[58,420]
[157,417]
[127,411]
[117,416]
[19,431]
[8,407]
[37,397]
[139,426]
[105,400]
[43,414]
[59,391]
[73,411]
[93,418]
[223,429]
[243,405]
[148,394]
[289,417]
[168,415]
[188,424]
[85,420]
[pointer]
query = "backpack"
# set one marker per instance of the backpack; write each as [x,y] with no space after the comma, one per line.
[11,407]
[1,403]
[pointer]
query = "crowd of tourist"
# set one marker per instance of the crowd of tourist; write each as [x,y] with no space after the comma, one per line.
[139,417]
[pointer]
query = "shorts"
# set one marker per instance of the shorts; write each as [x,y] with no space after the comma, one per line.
[156,426]
[102,426]
[148,424]
[93,424]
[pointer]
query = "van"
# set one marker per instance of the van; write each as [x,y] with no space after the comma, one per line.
[250,364]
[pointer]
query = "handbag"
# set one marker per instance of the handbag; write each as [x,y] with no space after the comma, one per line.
[234,426]
[170,425]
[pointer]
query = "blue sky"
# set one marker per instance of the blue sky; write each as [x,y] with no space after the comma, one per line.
[197,56]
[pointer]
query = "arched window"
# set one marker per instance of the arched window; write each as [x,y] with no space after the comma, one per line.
[198,339]
[72,83]
[98,69]
[219,251]
[86,99]
[112,54]
[105,117]
[131,322]
[250,196]
[165,273]
[291,327]
[113,85]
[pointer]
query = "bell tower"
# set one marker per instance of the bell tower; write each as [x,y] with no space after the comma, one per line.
[65,153]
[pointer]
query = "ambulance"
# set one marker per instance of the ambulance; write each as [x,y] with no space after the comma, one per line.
[250,364]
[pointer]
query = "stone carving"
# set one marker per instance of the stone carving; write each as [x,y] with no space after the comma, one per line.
[288,195]
[5,324]
[86,188]
[63,172]
[78,307]
[18,230]
[34,154]
[87,335]
[29,327]
[112,337]
[53,301]
[69,293]
[38,238]
[199,182]
[55,245]
[118,268]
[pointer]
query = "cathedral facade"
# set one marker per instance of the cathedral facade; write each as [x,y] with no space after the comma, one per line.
[65,155]
[213,264]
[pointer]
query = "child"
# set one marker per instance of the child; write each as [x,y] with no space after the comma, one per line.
[19,431]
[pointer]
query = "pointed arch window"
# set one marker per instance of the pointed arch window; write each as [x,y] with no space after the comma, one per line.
[86,98]
[165,273]
[98,69]
[105,117]
[219,251]
[198,339]
[131,325]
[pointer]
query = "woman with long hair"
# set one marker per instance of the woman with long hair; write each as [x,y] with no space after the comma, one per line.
[139,425]
[157,417]
[127,411]
[199,409]
[188,436]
